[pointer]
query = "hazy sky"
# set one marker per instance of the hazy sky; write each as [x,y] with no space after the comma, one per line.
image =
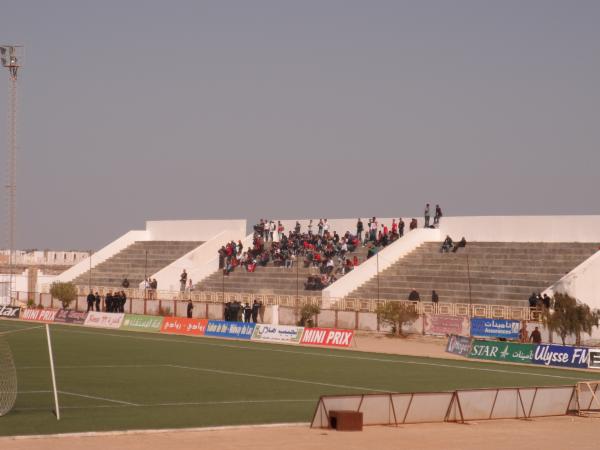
[136,110]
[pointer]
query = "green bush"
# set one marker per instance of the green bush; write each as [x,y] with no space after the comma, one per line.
[307,315]
[64,292]
[396,314]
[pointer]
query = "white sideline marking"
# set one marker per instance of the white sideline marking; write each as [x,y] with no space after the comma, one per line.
[20,329]
[153,431]
[92,366]
[154,405]
[325,355]
[99,398]
[268,377]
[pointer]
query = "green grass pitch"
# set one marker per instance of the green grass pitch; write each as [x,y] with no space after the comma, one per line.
[118,380]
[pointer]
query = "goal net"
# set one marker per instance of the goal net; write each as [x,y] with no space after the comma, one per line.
[588,397]
[8,378]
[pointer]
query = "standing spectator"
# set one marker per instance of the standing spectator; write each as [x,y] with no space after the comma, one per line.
[438,215]
[272,228]
[255,310]
[523,335]
[373,229]
[190,285]
[297,228]
[359,229]
[125,283]
[90,301]
[325,227]
[414,296]
[413,224]
[435,298]
[190,309]
[247,312]
[427,215]
[183,280]
[536,336]
[400,227]
[280,230]
[310,227]
[97,300]
[320,227]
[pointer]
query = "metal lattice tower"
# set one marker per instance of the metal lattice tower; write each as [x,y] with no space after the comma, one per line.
[11,58]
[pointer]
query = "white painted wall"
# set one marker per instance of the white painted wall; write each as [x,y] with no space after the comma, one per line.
[198,263]
[191,230]
[582,283]
[101,255]
[388,256]
[523,228]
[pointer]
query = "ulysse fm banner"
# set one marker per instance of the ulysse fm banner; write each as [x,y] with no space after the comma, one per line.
[499,328]
[235,330]
[561,356]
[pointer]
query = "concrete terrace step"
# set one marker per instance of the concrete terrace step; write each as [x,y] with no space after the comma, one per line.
[135,261]
[500,273]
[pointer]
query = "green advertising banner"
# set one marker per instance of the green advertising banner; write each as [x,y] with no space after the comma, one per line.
[502,351]
[136,322]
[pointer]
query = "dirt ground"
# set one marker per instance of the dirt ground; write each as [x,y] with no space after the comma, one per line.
[558,433]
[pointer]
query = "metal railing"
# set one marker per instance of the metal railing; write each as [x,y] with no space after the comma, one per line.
[345,304]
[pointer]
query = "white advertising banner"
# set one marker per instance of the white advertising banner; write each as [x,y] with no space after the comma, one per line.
[104,319]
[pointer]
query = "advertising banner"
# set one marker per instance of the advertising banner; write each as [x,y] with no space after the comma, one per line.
[10,312]
[69,316]
[237,330]
[561,356]
[103,320]
[329,337]
[508,329]
[459,345]
[39,315]
[136,322]
[438,324]
[183,325]
[502,351]
[277,333]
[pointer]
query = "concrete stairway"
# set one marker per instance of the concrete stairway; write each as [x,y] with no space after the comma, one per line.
[270,279]
[501,273]
[131,262]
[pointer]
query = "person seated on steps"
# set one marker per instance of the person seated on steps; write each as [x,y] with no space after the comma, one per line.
[460,244]
[446,245]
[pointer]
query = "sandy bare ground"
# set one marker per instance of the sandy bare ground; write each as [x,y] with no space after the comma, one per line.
[558,433]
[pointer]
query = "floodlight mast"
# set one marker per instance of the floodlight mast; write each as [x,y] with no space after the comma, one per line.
[10,57]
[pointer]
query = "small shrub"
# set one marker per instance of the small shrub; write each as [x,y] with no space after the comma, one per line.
[308,314]
[396,314]
[64,292]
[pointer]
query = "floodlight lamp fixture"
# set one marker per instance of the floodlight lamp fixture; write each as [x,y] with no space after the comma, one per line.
[11,58]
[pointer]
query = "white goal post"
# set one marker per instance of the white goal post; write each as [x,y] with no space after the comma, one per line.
[8,378]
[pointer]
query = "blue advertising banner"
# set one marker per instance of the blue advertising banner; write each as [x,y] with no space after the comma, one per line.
[508,329]
[236,330]
[561,356]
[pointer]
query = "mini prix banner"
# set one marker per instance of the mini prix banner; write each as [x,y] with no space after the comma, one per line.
[328,337]
[561,356]
[39,315]
[236,330]
[135,322]
[508,329]
[70,316]
[438,324]
[277,333]
[183,325]
[459,345]
[10,312]
[502,351]
[103,319]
